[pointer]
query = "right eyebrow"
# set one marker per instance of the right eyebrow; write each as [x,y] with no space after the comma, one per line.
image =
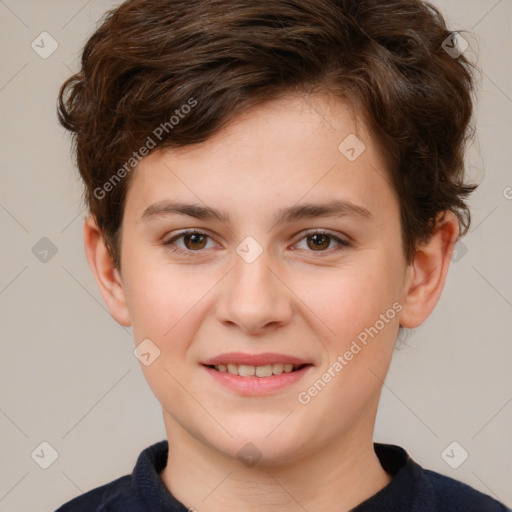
[164,208]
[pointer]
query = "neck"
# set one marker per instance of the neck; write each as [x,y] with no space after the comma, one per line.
[337,476]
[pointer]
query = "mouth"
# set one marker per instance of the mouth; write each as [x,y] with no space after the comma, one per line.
[256,374]
[246,370]
[251,380]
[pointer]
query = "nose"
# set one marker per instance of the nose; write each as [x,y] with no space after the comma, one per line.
[254,296]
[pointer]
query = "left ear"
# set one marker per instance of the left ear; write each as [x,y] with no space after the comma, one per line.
[426,274]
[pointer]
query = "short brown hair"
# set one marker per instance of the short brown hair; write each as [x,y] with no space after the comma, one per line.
[150,58]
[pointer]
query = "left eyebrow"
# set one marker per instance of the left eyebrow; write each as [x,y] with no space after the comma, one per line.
[335,208]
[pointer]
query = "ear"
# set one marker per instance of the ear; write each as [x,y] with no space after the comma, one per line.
[106,274]
[426,274]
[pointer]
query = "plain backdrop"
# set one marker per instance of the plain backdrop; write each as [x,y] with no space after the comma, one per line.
[68,376]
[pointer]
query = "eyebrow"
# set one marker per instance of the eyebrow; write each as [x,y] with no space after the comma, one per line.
[335,208]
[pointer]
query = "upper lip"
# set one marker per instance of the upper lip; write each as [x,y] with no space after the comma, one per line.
[262,359]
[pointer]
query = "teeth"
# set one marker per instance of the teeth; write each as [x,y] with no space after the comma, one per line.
[233,369]
[246,370]
[264,371]
[277,369]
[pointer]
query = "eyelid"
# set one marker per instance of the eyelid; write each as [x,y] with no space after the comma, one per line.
[168,241]
[342,242]
[192,231]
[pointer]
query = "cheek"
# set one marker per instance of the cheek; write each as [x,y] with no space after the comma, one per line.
[160,295]
[357,307]
[348,299]
[166,308]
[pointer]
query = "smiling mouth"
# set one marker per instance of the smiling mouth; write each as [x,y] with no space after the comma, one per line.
[268,370]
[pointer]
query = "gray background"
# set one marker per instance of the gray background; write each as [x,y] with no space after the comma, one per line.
[67,372]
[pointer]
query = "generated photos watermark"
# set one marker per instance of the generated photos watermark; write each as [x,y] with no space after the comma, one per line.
[158,133]
[357,345]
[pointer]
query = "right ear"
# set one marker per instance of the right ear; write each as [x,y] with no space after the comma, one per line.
[106,274]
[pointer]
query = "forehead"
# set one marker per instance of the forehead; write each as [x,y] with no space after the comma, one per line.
[279,152]
[283,128]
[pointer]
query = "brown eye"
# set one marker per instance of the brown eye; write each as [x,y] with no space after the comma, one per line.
[318,241]
[189,242]
[194,241]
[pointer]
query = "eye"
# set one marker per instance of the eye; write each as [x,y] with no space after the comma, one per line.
[320,241]
[193,241]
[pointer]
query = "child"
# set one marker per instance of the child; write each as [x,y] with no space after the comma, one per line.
[275,190]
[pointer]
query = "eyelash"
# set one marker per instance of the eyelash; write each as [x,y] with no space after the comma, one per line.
[168,243]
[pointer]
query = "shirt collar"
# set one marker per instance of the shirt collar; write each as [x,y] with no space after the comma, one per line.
[409,488]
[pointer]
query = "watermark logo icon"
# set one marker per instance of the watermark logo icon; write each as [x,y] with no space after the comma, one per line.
[44,250]
[351,147]
[249,250]
[44,45]
[249,455]
[44,455]
[454,45]
[459,251]
[146,352]
[454,455]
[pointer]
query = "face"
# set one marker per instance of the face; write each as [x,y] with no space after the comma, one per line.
[267,246]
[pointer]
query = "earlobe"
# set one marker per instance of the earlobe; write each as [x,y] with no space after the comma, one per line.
[427,273]
[107,276]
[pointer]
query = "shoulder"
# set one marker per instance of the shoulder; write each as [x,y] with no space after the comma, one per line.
[457,496]
[415,489]
[92,500]
[130,493]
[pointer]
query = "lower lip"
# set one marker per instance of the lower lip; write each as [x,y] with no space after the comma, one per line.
[252,386]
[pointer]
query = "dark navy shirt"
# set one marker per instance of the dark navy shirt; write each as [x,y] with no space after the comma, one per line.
[412,489]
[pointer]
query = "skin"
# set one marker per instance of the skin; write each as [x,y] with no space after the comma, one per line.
[293,299]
